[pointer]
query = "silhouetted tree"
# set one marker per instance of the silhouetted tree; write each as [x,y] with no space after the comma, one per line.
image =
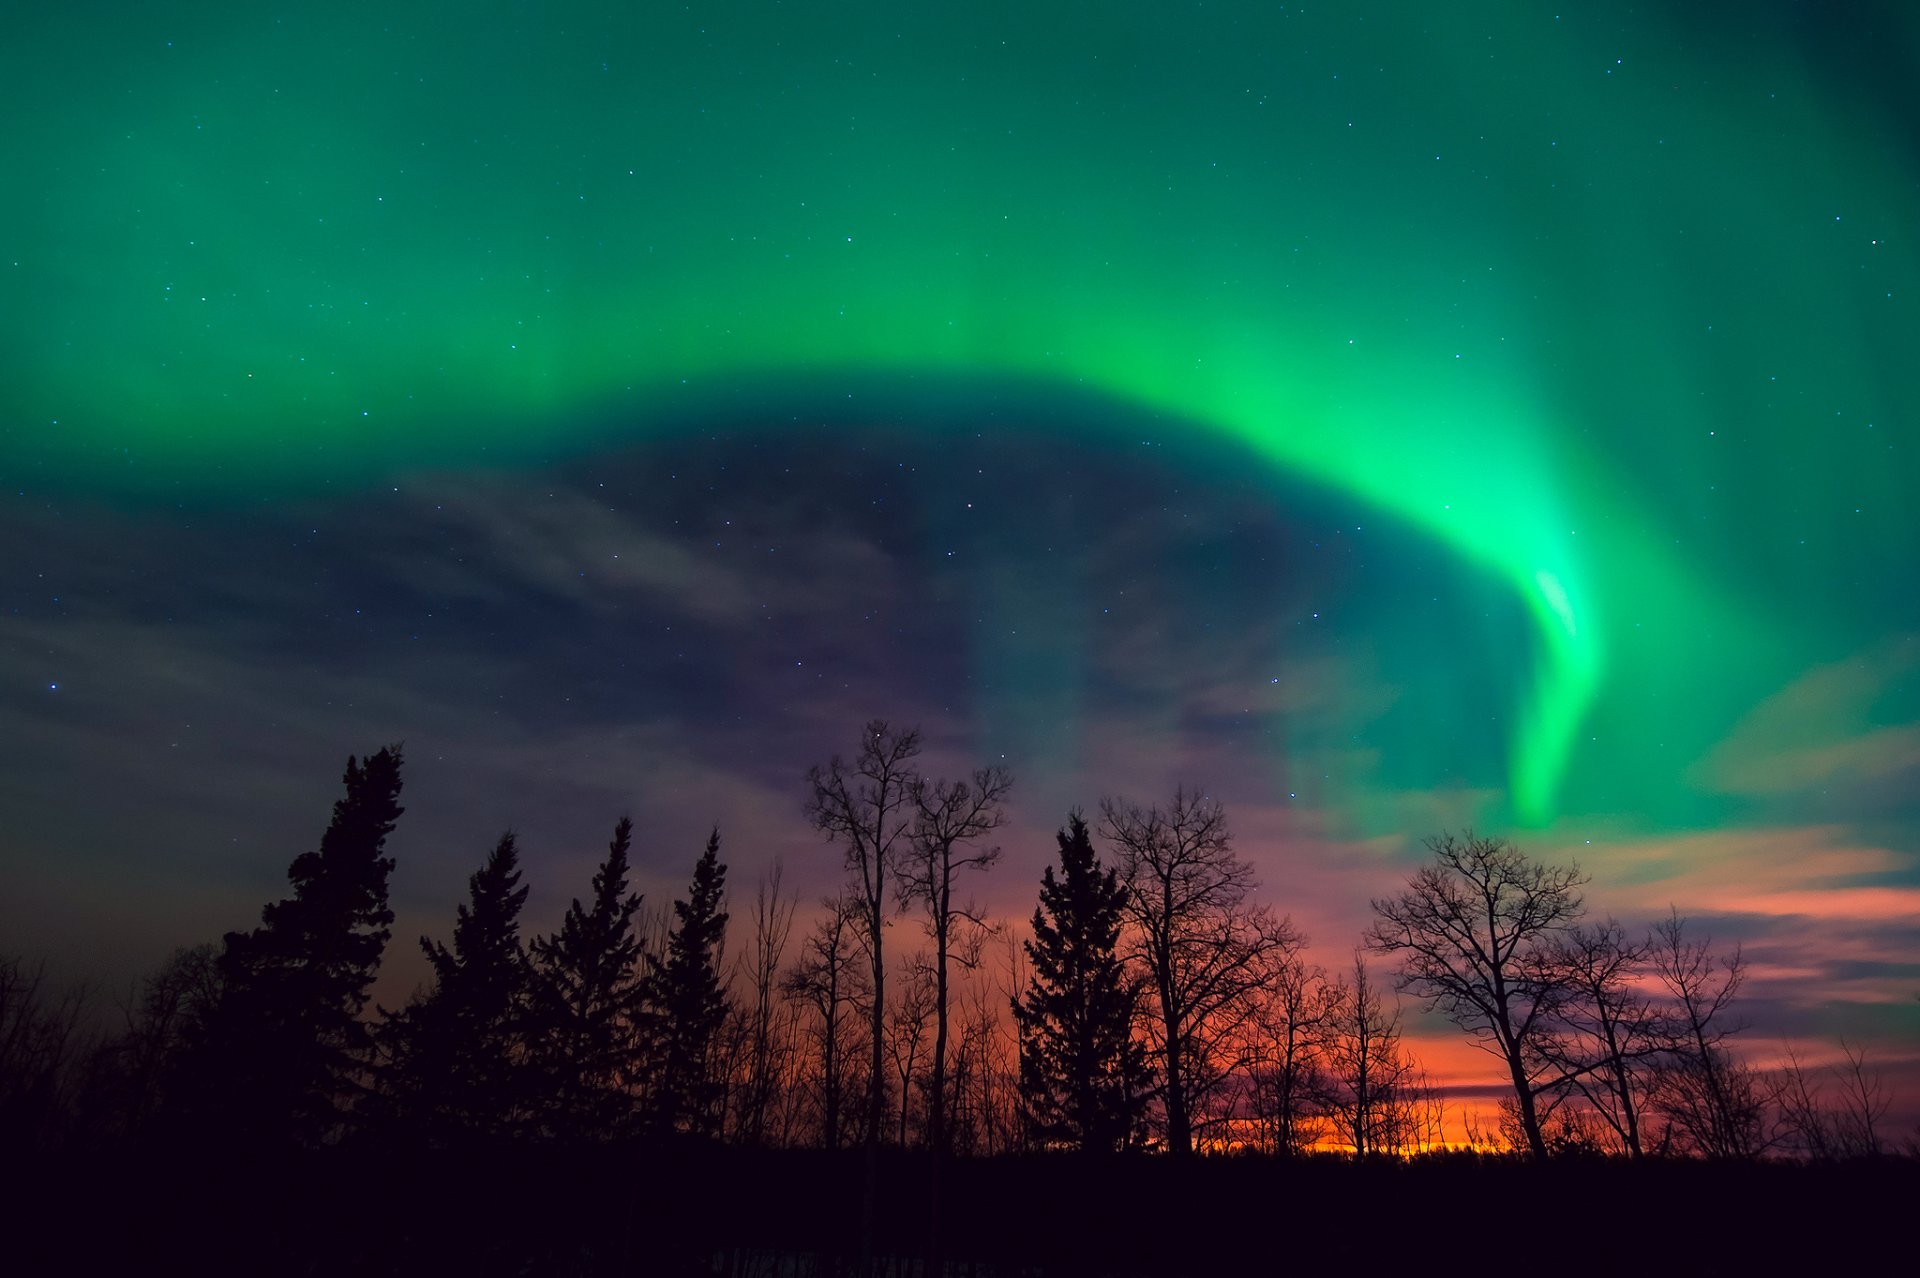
[907,1018]
[829,984]
[1605,1033]
[986,1077]
[1824,1129]
[1473,932]
[1862,1109]
[587,995]
[43,1044]
[1202,944]
[1285,1046]
[967,1128]
[285,1050]
[1713,1103]
[765,1050]
[867,807]
[1368,1077]
[458,1053]
[167,1012]
[686,1005]
[950,817]
[1082,1071]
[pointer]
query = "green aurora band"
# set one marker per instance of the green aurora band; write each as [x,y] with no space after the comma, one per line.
[1537,285]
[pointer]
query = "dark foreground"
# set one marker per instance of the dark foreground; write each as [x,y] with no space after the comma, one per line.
[701,1210]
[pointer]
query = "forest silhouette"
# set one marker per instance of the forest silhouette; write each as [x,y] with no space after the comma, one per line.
[1155,1078]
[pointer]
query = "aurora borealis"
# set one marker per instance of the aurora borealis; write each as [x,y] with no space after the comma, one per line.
[1394,415]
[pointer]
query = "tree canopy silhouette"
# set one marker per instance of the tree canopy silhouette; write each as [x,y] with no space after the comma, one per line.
[457,1058]
[285,1050]
[587,1004]
[1204,947]
[687,1004]
[1473,932]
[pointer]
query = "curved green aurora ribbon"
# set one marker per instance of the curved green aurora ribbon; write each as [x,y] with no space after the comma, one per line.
[246,248]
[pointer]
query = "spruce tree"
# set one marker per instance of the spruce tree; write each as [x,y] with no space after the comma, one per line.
[588,1004]
[457,1064]
[686,1004]
[1082,1072]
[284,1052]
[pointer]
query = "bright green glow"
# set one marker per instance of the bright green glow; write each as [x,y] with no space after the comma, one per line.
[1498,274]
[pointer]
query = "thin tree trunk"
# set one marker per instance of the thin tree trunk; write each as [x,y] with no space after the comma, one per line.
[876,1087]
[936,1103]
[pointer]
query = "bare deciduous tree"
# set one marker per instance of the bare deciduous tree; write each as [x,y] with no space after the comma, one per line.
[167,1007]
[1714,1104]
[772,918]
[1424,1112]
[967,1129]
[1473,932]
[1284,1047]
[829,983]
[867,807]
[985,1118]
[950,817]
[1605,1032]
[1822,1130]
[1863,1104]
[949,820]
[907,1037]
[1368,1080]
[42,1044]
[1805,1120]
[1202,944]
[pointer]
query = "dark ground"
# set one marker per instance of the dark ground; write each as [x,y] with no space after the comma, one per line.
[691,1209]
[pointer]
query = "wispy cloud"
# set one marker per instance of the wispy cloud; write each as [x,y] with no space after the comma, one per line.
[503,544]
[1819,732]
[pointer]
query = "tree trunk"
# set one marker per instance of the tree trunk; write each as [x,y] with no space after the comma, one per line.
[1630,1115]
[1529,1113]
[1516,1065]
[1179,1130]
[876,1090]
[1621,1080]
[830,1066]
[937,1101]
[1179,1125]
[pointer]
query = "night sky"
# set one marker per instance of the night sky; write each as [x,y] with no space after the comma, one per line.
[1390,417]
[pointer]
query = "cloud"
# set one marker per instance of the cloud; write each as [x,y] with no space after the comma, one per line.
[1769,871]
[1818,733]
[497,542]
[1828,922]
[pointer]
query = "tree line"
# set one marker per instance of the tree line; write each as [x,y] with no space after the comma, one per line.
[1157,1004]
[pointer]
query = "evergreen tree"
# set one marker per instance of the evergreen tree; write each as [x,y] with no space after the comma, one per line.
[283,1053]
[686,1004]
[457,1063]
[1082,1072]
[588,988]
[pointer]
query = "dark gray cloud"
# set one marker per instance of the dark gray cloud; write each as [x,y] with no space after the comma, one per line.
[676,632]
